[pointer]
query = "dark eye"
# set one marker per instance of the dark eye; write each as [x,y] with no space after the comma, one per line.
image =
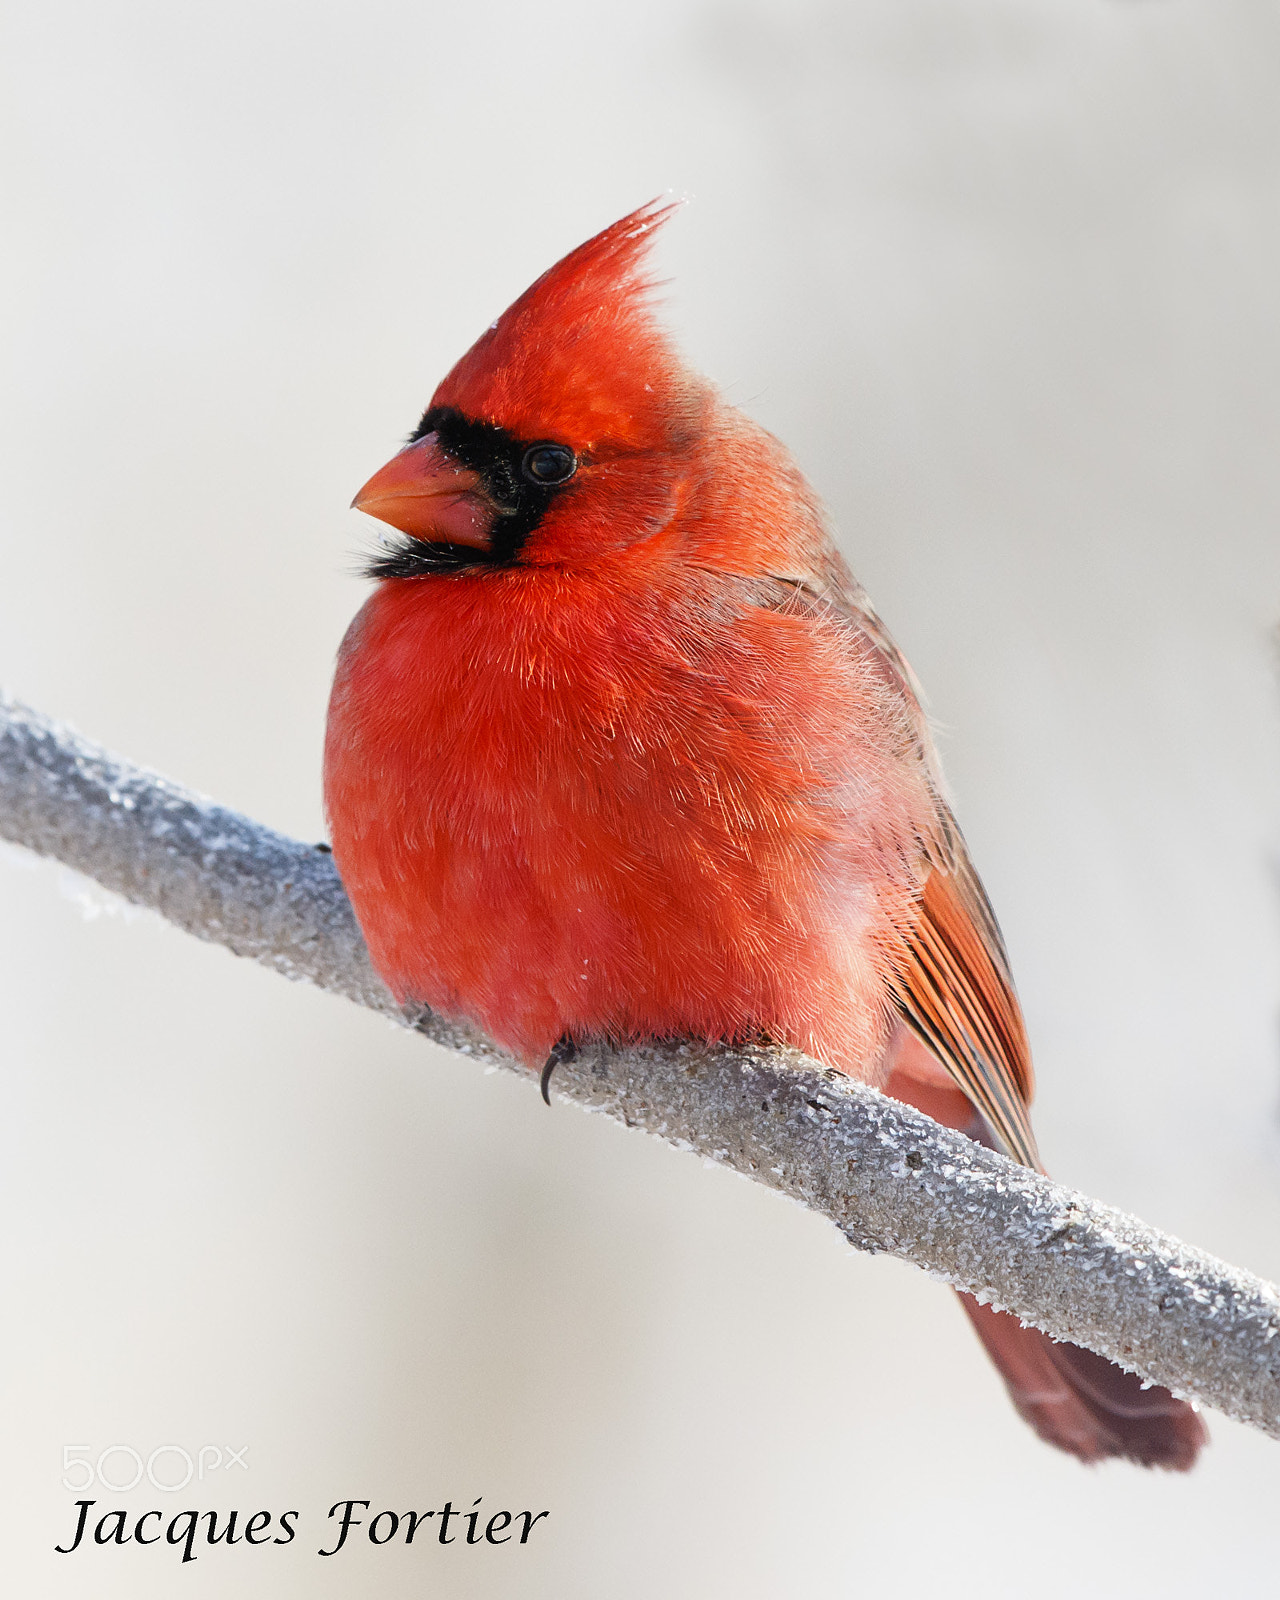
[549,463]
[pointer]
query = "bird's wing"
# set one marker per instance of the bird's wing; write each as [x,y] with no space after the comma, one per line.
[953,988]
[952,982]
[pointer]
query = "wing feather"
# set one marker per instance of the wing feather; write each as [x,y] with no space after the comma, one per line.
[954,991]
[952,986]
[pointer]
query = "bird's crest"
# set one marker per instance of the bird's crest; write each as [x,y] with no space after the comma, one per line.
[579,357]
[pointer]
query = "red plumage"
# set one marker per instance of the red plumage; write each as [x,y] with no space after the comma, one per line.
[619,748]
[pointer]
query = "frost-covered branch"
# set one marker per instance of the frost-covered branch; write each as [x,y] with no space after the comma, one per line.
[888,1177]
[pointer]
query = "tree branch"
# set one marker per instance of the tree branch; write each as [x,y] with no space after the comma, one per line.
[888,1177]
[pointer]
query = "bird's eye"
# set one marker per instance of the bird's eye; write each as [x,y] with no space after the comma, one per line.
[549,463]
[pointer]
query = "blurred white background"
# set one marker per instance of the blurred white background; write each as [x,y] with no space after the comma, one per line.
[1003,273]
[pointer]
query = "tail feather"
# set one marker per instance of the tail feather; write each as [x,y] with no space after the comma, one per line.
[1078,1401]
[1082,1402]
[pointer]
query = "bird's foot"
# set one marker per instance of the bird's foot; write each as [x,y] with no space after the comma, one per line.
[563,1050]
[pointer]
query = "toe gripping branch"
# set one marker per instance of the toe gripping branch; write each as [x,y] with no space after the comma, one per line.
[563,1050]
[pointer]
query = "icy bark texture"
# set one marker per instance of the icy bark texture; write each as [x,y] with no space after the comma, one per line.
[888,1177]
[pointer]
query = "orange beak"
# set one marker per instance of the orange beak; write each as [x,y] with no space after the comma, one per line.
[425,493]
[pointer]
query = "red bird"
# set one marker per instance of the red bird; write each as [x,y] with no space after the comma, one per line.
[618,748]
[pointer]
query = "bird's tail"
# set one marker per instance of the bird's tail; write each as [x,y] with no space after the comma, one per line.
[1084,1404]
[1074,1399]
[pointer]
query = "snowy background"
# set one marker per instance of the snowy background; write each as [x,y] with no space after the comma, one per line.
[1004,276]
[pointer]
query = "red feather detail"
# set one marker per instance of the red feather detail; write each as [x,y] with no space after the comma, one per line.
[579,357]
[1074,1399]
[955,990]
[1084,1404]
[601,803]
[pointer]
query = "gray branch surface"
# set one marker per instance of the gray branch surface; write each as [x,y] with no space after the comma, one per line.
[889,1178]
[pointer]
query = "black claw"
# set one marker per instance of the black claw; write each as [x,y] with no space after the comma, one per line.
[563,1050]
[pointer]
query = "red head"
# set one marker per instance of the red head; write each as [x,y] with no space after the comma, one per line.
[578,357]
[544,440]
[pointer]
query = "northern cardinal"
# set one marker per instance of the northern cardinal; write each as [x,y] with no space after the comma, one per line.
[619,748]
